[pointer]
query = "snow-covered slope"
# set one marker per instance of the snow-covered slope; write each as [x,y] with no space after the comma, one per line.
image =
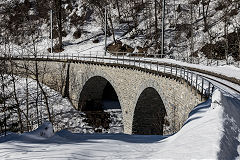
[64,115]
[211,132]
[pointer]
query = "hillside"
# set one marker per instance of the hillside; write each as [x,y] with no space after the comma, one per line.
[198,28]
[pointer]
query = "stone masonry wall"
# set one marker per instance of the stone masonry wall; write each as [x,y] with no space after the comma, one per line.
[129,84]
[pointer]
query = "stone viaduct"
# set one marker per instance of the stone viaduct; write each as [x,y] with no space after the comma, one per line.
[150,103]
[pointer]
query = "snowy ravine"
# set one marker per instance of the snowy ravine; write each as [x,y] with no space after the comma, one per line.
[65,116]
[211,132]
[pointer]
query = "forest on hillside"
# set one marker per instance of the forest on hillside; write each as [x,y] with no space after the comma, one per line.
[192,27]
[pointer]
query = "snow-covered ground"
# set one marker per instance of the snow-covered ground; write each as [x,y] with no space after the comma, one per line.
[211,132]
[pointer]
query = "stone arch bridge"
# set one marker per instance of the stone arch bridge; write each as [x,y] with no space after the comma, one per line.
[151,102]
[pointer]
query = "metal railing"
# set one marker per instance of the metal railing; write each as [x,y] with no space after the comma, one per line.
[197,83]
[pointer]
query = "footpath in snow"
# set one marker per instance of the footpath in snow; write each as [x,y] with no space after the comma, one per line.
[211,132]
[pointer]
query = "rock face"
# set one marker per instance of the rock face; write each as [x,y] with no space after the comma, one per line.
[77,34]
[119,47]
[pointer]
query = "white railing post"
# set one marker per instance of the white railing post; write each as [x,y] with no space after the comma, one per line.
[150,64]
[90,56]
[110,60]
[191,80]
[202,88]
[145,65]
[209,85]
[117,58]
[164,68]
[171,68]
[176,72]
[196,84]
[184,71]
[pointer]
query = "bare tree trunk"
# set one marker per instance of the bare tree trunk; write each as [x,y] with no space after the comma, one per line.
[119,14]
[60,23]
[204,16]
[110,20]
[58,6]
[226,39]
[36,100]
[16,100]
[27,97]
[5,121]
[239,48]
[46,101]
[4,105]
[205,8]
[192,43]
[175,13]
[156,21]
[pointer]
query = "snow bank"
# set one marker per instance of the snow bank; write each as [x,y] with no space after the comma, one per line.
[45,130]
[200,136]
[217,99]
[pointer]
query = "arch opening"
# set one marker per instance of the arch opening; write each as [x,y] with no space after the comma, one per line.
[99,101]
[110,98]
[98,94]
[149,113]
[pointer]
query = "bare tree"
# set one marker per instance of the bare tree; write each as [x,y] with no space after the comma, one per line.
[58,12]
[3,97]
[17,103]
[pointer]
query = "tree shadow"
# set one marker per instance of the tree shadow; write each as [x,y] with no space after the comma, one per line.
[66,137]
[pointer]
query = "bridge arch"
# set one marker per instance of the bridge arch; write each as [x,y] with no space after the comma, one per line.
[149,113]
[128,83]
[94,91]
